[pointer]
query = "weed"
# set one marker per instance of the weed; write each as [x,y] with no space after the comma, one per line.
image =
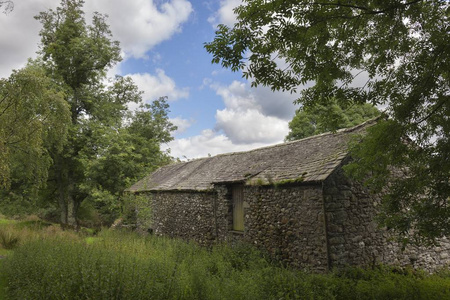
[8,238]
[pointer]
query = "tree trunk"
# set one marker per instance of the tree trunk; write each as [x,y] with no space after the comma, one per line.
[62,208]
[66,187]
[71,206]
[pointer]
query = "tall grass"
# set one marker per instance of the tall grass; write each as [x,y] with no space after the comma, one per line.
[3,283]
[122,265]
[8,238]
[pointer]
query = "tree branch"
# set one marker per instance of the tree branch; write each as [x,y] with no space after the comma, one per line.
[366,9]
[433,111]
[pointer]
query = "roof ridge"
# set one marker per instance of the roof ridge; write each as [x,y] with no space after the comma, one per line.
[317,155]
[342,130]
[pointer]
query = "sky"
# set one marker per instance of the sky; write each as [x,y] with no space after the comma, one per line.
[162,45]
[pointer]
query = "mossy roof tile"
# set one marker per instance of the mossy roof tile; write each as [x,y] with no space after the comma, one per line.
[312,159]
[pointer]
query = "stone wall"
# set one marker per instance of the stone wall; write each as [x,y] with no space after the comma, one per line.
[314,227]
[286,221]
[187,215]
[356,239]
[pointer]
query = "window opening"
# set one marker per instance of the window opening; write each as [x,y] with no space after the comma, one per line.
[238,207]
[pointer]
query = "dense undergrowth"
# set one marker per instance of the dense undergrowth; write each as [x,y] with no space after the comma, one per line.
[49,263]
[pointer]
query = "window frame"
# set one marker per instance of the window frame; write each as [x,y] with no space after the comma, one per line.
[237,198]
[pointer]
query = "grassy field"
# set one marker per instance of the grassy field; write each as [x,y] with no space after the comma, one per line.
[48,263]
[3,283]
[3,253]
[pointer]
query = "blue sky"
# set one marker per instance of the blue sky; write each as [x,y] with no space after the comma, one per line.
[163,50]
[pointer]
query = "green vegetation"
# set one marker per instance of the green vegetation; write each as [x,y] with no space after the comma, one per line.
[309,121]
[259,182]
[4,221]
[8,238]
[271,182]
[53,264]
[3,283]
[290,181]
[392,54]
[33,118]
[69,145]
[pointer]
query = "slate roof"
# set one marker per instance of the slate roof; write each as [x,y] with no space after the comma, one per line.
[311,159]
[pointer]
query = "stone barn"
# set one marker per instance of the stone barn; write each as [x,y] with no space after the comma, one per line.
[293,200]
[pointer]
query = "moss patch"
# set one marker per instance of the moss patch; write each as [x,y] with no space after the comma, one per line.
[290,181]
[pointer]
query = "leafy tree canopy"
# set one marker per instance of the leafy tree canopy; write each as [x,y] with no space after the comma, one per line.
[34,120]
[99,146]
[392,53]
[127,154]
[316,119]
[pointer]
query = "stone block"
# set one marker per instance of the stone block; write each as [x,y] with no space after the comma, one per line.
[337,240]
[357,239]
[335,228]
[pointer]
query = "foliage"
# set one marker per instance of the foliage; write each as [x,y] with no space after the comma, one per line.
[33,121]
[77,53]
[15,232]
[76,56]
[129,153]
[66,131]
[18,203]
[393,54]
[319,119]
[122,265]
[418,194]
[138,211]
[8,240]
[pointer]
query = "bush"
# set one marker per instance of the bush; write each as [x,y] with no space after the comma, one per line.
[88,215]
[17,205]
[8,238]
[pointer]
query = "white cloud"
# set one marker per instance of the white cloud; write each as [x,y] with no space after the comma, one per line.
[139,25]
[225,14]
[207,143]
[253,115]
[278,104]
[182,124]
[251,126]
[19,33]
[206,82]
[252,118]
[240,96]
[236,96]
[158,85]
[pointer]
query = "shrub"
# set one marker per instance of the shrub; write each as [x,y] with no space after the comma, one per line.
[18,205]
[8,238]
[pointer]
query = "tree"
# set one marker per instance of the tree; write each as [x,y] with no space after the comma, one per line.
[34,120]
[129,153]
[76,57]
[312,121]
[400,49]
